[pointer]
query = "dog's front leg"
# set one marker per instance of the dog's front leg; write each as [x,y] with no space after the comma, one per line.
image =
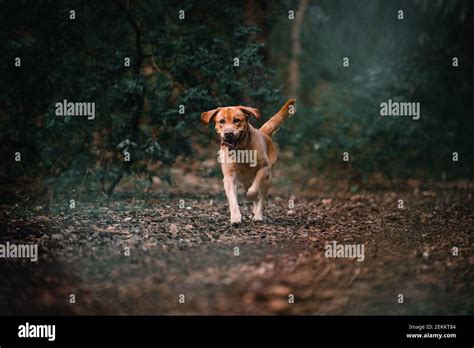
[230,186]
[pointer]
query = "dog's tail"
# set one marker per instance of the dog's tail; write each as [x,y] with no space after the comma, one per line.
[272,125]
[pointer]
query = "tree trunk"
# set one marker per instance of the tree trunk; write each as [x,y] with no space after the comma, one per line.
[139,95]
[294,65]
[255,12]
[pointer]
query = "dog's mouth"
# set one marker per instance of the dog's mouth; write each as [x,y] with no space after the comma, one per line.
[231,144]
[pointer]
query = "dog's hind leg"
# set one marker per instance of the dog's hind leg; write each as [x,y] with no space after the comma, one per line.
[262,175]
[262,194]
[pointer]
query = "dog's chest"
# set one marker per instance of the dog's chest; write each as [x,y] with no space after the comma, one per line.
[245,174]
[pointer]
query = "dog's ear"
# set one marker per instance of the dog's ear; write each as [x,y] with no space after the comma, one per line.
[207,116]
[250,111]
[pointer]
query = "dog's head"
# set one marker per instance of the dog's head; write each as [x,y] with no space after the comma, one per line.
[231,122]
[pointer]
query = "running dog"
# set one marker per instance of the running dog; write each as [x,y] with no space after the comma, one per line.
[237,135]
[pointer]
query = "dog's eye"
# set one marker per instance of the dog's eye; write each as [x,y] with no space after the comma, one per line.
[236,120]
[221,121]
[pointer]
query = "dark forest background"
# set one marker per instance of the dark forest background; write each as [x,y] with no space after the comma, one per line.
[190,63]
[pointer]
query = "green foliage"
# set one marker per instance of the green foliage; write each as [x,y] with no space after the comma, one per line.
[190,63]
[407,60]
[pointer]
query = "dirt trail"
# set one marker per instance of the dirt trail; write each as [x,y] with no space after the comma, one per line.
[191,251]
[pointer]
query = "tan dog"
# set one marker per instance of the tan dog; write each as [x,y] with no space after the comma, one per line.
[247,154]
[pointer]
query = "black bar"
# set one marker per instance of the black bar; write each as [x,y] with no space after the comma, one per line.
[240,329]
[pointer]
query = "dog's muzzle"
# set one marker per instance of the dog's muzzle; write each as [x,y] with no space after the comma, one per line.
[230,145]
[229,140]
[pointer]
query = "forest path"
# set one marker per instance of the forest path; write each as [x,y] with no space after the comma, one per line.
[192,251]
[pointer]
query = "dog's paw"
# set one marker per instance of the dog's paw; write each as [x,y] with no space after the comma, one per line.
[257,218]
[236,221]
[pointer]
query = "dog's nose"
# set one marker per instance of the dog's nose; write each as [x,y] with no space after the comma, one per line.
[228,135]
